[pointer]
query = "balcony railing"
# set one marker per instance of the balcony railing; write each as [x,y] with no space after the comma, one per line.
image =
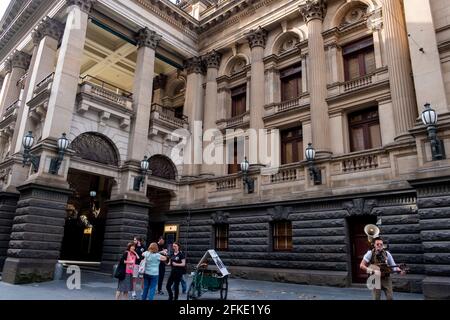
[12,109]
[167,115]
[106,91]
[284,175]
[297,103]
[358,83]
[360,163]
[228,183]
[45,84]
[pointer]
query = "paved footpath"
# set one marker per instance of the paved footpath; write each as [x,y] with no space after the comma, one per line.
[98,286]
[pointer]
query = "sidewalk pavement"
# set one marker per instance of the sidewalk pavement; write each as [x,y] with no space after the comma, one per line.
[100,286]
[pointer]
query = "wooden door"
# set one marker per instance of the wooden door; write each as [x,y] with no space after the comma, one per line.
[359,245]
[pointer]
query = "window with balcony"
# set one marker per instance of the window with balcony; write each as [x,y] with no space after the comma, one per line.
[291,82]
[291,145]
[221,236]
[282,235]
[359,59]
[238,100]
[178,112]
[364,129]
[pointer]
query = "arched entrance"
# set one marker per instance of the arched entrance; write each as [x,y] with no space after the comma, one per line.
[162,167]
[86,209]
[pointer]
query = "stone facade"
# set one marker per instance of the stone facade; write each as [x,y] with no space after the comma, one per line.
[139,77]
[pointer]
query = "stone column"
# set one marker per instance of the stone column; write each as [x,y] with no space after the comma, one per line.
[212,60]
[257,42]
[399,66]
[142,93]
[16,66]
[65,84]
[194,110]
[426,65]
[314,13]
[126,219]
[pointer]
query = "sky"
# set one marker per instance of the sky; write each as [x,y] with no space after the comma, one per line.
[3,5]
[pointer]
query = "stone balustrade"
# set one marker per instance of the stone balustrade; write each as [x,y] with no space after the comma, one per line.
[360,163]
[105,91]
[167,115]
[227,183]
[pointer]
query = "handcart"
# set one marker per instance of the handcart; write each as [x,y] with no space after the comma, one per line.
[206,277]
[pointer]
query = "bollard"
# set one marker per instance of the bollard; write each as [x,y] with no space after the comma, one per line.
[59,269]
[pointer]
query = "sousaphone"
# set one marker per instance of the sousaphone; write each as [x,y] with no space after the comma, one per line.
[372,231]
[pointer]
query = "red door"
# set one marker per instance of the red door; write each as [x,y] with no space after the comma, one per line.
[359,245]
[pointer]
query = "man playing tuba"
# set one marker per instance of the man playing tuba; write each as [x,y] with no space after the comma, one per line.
[381,263]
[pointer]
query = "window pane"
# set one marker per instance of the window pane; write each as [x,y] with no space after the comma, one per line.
[369,60]
[282,235]
[353,67]
[357,138]
[288,153]
[299,150]
[375,136]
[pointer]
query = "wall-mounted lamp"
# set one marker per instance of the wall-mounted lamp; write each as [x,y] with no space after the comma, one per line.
[62,143]
[139,180]
[429,119]
[250,183]
[314,172]
[27,143]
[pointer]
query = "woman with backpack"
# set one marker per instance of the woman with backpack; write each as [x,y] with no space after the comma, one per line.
[152,259]
[125,271]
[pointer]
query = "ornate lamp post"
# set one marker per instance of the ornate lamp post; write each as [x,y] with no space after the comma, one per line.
[429,119]
[250,183]
[314,172]
[62,143]
[139,180]
[27,143]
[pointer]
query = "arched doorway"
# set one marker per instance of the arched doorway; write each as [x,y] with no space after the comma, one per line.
[86,209]
[162,167]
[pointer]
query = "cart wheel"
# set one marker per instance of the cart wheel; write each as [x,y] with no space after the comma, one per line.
[224,289]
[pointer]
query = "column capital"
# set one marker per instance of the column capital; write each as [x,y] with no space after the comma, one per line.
[314,9]
[19,59]
[375,20]
[213,59]
[84,5]
[194,65]
[48,27]
[257,37]
[148,38]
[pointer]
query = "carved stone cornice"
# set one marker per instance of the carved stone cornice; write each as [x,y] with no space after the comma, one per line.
[84,5]
[220,217]
[257,37]
[279,213]
[213,59]
[314,9]
[18,60]
[148,38]
[48,27]
[194,65]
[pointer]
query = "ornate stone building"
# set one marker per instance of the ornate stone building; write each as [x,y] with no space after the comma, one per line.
[122,78]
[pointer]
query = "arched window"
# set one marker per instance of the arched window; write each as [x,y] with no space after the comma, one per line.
[96,147]
[162,167]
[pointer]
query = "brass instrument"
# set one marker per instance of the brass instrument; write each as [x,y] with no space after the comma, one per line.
[372,231]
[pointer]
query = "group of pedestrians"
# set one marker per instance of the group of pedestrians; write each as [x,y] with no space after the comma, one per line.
[146,269]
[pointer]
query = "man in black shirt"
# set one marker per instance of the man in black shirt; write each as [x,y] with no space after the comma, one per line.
[162,248]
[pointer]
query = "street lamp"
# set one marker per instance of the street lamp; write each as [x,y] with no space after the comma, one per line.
[250,183]
[139,180]
[429,119]
[27,143]
[55,163]
[314,172]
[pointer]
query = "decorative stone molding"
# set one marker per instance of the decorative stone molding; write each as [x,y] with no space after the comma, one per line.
[213,59]
[257,37]
[279,213]
[220,217]
[359,206]
[84,5]
[148,38]
[194,65]
[354,15]
[314,9]
[375,20]
[19,59]
[49,27]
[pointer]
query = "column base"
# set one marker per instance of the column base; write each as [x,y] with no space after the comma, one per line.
[436,288]
[37,232]
[24,270]
[323,154]
[8,204]
[126,219]
[404,137]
